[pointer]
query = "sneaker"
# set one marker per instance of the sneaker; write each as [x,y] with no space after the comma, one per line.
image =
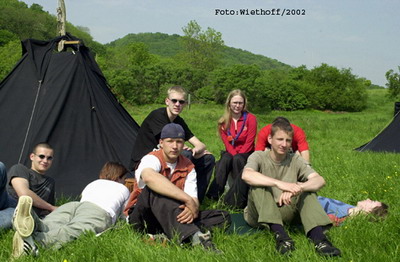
[22,220]
[325,248]
[207,244]
[23,246]
[284,245]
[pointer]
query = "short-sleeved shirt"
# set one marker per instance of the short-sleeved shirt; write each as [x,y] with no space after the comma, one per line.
[109,195]
[299,141]
[334,207]
[293,169]
[41,185]
[150,132]
[151,161]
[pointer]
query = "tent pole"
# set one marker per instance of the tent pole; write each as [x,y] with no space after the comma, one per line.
[61,18]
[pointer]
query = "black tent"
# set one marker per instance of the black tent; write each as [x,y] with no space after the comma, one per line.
[388,140]
[62,98]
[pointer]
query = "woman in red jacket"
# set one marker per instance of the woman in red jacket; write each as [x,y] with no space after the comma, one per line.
[237,128]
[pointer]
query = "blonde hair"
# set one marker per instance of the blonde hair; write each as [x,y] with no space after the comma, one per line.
[225,121]
[176,89]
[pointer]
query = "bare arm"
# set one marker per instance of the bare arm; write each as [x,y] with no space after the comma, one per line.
[199,148]
[314,183]
[21,187]
[161,185]
[254,178]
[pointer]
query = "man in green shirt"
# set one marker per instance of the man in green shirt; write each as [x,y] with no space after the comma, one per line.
[282,188]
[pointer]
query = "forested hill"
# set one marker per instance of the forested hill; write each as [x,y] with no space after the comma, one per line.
[18,21]
[170,45]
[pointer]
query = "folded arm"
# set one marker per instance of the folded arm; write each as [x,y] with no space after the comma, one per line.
[199,148]
[254,178]
[161,185]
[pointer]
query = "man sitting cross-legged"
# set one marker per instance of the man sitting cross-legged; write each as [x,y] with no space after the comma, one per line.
[165,195]
[282,188]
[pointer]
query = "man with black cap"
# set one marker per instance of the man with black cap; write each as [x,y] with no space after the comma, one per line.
[149,135]
[165,199]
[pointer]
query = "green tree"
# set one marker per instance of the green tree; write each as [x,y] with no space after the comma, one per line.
[202,49]
[10,54]
[224,80]
[281,92]
[393,83]
[330,88]
[6,36]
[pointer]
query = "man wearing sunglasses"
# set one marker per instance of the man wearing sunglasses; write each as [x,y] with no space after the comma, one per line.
[33,182]
[150,131]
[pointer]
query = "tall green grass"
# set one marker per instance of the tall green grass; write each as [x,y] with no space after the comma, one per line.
[350,176]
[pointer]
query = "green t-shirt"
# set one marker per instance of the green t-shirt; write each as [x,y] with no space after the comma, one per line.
[293,169]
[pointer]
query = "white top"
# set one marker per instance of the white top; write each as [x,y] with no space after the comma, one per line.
[109,195]
[151,161]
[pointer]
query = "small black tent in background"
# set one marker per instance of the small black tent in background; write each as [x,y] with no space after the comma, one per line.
[63,98]
[388,140]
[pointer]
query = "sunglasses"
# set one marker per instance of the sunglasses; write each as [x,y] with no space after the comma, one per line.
[43,157]
[176,100]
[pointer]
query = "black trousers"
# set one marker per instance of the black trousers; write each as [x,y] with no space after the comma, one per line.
[204,167]
[234,165]
[154,213]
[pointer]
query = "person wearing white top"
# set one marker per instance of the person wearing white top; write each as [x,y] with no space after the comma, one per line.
[165,198]
[102,202]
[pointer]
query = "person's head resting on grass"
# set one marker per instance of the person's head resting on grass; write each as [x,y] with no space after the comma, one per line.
[377,210]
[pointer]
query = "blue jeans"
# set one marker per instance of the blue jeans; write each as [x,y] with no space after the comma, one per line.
[7,204]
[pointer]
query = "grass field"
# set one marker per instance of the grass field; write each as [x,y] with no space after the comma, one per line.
[350,176]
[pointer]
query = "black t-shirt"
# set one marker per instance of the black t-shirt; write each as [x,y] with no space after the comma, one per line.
[41,185]
[150,132]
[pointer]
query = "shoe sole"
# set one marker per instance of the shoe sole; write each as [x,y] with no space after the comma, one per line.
[23,221]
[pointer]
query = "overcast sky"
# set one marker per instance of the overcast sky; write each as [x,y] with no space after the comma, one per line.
[359,34]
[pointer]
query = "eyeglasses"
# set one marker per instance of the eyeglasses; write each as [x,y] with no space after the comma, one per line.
[47,157]
[174,101]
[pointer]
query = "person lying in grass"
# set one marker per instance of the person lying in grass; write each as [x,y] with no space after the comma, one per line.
[102,202]
[339,211]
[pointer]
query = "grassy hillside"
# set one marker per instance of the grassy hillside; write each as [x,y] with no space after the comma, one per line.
[169,45]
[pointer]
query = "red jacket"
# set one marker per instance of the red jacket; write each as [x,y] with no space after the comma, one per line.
[245,142]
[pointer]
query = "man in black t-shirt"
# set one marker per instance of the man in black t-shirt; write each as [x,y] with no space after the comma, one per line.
[33,182]
[150,131]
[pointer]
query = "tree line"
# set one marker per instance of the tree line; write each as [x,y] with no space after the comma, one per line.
[139,68]
[140,77]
